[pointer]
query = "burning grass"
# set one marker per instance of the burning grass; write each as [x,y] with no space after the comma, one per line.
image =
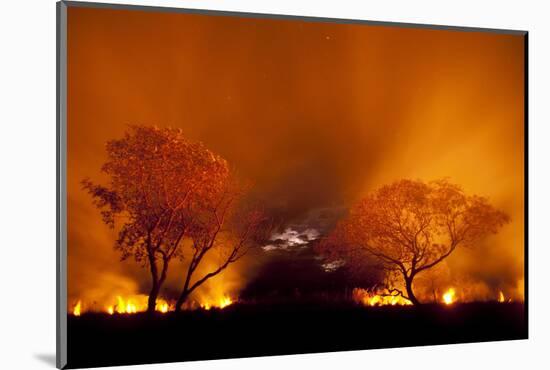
[221,303]
[367,298]
[138,303]
[448,297]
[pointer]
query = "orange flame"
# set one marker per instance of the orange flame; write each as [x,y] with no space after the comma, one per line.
[221,303]
[449,296]
[162,307]
[124,305]
[136,304]
[373,299]
[77,308]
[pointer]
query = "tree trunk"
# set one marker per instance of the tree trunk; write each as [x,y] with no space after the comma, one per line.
[410,293]
[155,288]
[181,300]
[185,291]
[153,295]
[157,284]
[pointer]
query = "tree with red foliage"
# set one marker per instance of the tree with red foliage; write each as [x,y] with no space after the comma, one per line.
[160,184]
[409,227]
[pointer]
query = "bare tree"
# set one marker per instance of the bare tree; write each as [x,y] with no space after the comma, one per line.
[159,184]
[229,229]
[409,227]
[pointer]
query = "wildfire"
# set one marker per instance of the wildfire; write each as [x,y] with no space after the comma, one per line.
[373,299]
[503,299]
[221,302]
[449,296]
[77,308]
[224,302]
[124,305]
[162,307]
[136,304]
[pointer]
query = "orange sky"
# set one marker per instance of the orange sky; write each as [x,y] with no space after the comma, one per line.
[315,114]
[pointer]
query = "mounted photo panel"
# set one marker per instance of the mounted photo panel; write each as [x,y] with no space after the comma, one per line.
[236,185]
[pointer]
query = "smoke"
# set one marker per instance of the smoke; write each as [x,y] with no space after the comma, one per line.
[316,115]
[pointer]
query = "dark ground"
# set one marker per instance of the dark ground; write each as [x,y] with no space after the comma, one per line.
[259,330]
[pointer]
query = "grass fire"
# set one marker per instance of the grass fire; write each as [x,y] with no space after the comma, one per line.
[245,187]
[449,296]
[401,238]
[138,304]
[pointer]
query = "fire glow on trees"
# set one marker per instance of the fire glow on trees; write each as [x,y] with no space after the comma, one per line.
[409,227]
[168,193]
[157,179]
[405,119]
[449,105]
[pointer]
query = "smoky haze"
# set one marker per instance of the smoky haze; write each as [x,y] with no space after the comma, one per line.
[315,114]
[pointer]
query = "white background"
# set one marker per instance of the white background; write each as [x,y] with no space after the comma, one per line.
[27,182]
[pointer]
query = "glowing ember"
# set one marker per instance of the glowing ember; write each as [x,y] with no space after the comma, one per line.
[374,299]
[77,308]
[449,296]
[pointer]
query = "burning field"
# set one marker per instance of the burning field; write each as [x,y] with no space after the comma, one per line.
[138,303]
[261,330]
[336,186]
